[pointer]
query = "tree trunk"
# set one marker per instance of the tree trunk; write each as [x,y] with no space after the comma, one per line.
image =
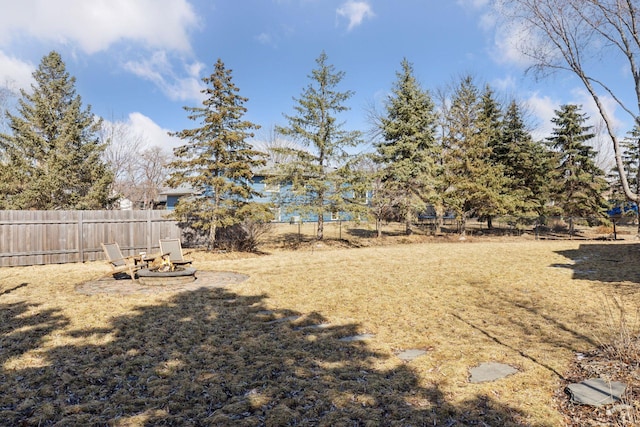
[570,227]
[439,219]
[490,222]
[320,233]
[407,221]
[212,237]
[378,228]
[463,225]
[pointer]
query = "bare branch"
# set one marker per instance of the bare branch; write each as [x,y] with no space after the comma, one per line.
[570,35]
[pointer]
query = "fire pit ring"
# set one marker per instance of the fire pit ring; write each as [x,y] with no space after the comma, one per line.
[166,278]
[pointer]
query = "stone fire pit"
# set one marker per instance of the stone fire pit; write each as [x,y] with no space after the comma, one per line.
[166,278]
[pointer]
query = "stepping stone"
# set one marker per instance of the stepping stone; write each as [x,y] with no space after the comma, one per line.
[361,337]
[409,355]
[312,327]
[596,392]
[490,372]
[283,319]
[264,313]
[584,271]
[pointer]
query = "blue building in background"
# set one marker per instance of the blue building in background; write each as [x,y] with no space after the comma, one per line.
[268,193]
[627,209]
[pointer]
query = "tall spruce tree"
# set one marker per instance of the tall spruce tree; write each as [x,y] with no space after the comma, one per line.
[630,150]
[580,184]
[409,152]
[476,185]
[490,125]
[318,173]
[217,161]
[528,164]
[52,156]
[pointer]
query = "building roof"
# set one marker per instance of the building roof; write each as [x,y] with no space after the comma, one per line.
[182,190]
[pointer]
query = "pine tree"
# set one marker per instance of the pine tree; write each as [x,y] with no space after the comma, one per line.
[409,151]
[217,161]
[318,173]
[527,163]
[630,146]
[490,125]
[630,151]
[580,183]
[476,185]
[52,157]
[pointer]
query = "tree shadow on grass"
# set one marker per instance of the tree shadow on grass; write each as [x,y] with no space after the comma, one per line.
[23,329]
[605,263]
[212,357]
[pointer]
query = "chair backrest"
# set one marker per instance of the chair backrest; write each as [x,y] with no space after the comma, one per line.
[114,254]
[173,247]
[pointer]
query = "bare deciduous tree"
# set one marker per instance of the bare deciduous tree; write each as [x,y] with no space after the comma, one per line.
[6,97]
[276,147]
[574,36]
[152,169]
[139,169]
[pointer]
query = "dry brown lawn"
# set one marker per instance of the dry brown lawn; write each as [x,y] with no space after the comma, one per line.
[217,357]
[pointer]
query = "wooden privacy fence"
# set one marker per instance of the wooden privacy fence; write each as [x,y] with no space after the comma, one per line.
[56,237]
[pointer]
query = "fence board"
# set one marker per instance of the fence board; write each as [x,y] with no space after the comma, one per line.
[57,237]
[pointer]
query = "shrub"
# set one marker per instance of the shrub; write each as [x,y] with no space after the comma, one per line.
[244,237]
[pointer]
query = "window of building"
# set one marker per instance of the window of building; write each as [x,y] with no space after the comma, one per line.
[271,187]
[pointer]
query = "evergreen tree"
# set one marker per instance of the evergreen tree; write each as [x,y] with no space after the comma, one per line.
[319,172]
[580,183]
[217,161]
[528,164]
[490,125]
[373,197]
[630,146]
[52,157]
[476,185]
[409,151]
[630,151]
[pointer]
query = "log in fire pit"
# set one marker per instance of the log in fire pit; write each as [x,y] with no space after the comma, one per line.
[179,275]
[162,272]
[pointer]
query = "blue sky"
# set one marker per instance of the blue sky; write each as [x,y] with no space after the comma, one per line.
[141,61]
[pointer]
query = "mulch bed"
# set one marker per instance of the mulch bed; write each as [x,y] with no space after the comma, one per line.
[204,279]
[600,363]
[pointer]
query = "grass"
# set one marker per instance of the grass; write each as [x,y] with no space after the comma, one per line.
[216,356]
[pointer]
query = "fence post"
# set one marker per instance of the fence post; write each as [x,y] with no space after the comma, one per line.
[570,228]
[149,231]
[80,237]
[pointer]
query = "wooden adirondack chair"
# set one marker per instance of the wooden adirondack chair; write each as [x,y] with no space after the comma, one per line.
[173,247]
[119,263]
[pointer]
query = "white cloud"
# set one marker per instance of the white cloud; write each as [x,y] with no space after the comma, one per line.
[265,38]
[543,109]
[159,70]
[508,45]
[583,98]
[355,12]
[14,73]
[151,132]
[97,24]
[506,84]
[476,4]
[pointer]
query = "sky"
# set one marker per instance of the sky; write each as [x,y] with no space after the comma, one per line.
[141,61]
